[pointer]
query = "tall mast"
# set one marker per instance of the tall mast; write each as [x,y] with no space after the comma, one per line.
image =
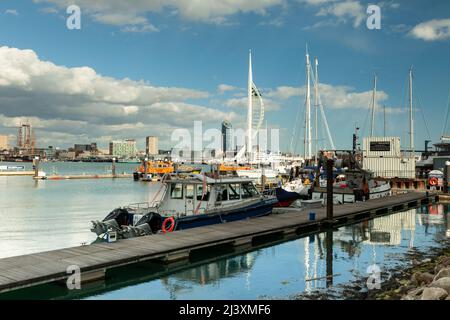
[308,108]
[250,107]
[316,107]
[374,101]
[411,121]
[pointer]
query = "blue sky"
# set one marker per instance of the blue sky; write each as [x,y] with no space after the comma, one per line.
[178,54]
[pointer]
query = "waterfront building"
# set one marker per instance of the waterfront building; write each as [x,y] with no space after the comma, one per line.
[3,142]
[151,145]
[123,149]
[227,137]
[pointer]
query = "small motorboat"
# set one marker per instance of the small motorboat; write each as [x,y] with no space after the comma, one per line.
[187,201]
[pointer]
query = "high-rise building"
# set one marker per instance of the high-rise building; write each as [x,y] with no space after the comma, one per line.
[3,142]
[123,149]
[227,136]
[151,145]
[26,140]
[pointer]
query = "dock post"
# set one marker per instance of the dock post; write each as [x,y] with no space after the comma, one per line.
[145,167]
[329,169]
[113,167]
[36,166]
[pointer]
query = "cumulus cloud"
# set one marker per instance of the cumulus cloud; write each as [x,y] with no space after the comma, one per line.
[128,13]
[79,101]
[222,88]
[432,30]
[336,97]
[337,11]
[12,12]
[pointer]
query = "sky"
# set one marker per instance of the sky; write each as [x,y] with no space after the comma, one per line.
[147,67]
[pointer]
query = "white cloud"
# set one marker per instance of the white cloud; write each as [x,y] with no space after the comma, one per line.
[65,102]
[432,30]
[336,97]
[344,11]
[124,13]
[12,12]
[222,88]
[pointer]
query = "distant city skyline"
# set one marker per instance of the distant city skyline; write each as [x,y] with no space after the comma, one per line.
[149,68]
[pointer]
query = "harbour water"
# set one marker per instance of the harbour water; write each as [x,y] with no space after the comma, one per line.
[45,215]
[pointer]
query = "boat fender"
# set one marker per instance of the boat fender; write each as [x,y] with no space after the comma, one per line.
[164,225]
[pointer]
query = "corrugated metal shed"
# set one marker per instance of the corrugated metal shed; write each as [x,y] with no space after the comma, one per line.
[382,156]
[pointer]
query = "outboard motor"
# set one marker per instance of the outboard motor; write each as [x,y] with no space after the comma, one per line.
[114,220]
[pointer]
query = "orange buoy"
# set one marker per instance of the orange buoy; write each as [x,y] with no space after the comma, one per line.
[433,181]
[172,225]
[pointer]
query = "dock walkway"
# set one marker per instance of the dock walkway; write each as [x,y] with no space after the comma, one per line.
[93,260]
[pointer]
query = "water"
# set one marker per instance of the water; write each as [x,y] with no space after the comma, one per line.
[46,215]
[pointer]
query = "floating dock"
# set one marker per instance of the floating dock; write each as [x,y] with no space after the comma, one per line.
[84,176]
[94,260]
[16,173]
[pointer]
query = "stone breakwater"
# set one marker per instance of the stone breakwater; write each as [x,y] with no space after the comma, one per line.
[429,281]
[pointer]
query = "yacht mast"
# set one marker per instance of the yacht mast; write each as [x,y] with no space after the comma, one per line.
[308,108]
[374,99]
[316,107]
[250,108]
[411,121]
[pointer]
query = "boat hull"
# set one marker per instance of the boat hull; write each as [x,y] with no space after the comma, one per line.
[259,209]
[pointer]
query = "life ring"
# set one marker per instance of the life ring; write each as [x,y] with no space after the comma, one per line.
[433,181]
[164,225]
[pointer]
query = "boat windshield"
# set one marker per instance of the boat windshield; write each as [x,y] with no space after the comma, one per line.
[235,191]
[248,190]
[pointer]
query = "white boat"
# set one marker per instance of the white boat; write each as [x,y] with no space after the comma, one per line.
[358,186]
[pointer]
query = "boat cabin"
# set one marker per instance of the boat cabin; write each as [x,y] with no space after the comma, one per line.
[199,194]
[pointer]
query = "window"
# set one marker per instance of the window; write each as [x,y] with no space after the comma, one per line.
[189,191]
[235,191]
[176,191]
[222,193]
[199,193]
[248,190]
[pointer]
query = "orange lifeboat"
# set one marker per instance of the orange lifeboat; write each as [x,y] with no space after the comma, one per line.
[157,167]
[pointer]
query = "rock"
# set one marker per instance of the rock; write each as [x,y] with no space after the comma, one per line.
[434,294]
[408,297]
[415,292]
[422,278]
[445,261]
[438,268]
[445,272]
[443,283]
